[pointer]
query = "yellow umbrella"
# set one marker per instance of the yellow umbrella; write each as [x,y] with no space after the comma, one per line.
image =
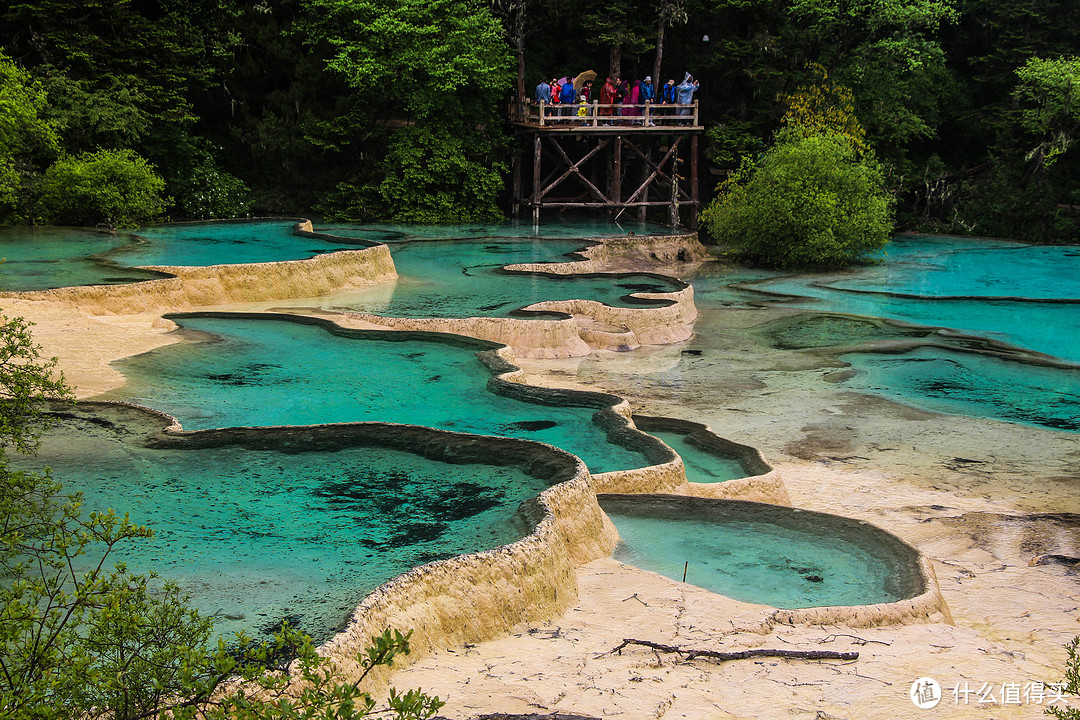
[583,78]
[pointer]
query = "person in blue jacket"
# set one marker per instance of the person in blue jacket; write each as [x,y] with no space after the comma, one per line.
[668,96]
[648,94]
[543,93]
[686,94]
[567,97]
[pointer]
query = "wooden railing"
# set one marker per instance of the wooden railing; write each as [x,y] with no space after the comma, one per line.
[596,115]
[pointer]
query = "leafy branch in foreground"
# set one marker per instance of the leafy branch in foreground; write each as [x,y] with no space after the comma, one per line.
[80,639]
[1072,682]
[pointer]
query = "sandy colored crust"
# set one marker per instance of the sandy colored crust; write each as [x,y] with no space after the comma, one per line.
[586,325]
[223,284]
[635,249]
[529,338]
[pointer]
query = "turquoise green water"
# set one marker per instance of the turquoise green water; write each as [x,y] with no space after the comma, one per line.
[1025,295]
[763,554]
[965,384]
[702,466]
[258,372]
[446,271]
[258,536]
[45,257]
[225,243]
[574,229]
[464,278]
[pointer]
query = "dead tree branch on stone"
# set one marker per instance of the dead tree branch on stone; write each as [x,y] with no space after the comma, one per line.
[717,656]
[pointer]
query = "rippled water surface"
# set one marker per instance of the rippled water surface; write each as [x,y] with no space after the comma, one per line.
[45,257]
[1026,296]
[464,278]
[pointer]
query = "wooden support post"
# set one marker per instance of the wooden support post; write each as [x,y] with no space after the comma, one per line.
[693,179]
[536,173]
[646,178]
[516,199]
[616,174]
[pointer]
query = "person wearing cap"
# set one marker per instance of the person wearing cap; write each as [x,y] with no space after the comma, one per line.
[648,93]
[668,96]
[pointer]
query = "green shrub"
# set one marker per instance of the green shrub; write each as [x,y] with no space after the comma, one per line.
[810,201]
[434,174]
[116,188]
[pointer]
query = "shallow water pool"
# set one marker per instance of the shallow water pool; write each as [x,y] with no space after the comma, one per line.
[271,371]
[464,278]
[258,536]
[701,466]
[765,554]
[1025,295]
[40,258]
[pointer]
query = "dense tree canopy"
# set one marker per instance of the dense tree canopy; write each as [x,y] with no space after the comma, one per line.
[338,105]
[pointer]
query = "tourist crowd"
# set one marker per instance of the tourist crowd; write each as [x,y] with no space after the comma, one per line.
[631,97]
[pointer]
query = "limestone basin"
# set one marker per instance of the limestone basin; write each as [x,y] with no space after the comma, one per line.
[784,557]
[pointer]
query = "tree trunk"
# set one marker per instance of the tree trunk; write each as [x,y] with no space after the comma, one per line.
[615,62]
[521,69]
[519,41]
[657,81]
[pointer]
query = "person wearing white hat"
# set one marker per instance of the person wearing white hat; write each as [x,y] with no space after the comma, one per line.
[648,93]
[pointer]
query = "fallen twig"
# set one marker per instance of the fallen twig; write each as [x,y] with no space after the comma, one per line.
[718,656]
[854,638]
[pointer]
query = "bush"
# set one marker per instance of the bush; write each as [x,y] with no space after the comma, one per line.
[810,201]
[27,137]
[434,174]
[116,188]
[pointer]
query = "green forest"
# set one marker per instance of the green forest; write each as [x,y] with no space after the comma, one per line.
[379,110]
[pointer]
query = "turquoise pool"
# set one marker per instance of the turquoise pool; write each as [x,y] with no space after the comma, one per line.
[465,278]
[765,554]
[40,258]
[701,466]
[259,536]
[1025,295]
[271,371]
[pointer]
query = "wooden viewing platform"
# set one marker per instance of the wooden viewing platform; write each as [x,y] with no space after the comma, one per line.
[605,117]
[613,162]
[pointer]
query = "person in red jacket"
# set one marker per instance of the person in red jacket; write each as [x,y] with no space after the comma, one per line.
[607,97]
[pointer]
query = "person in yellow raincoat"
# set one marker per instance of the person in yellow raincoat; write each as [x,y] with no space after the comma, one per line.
[583,107]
